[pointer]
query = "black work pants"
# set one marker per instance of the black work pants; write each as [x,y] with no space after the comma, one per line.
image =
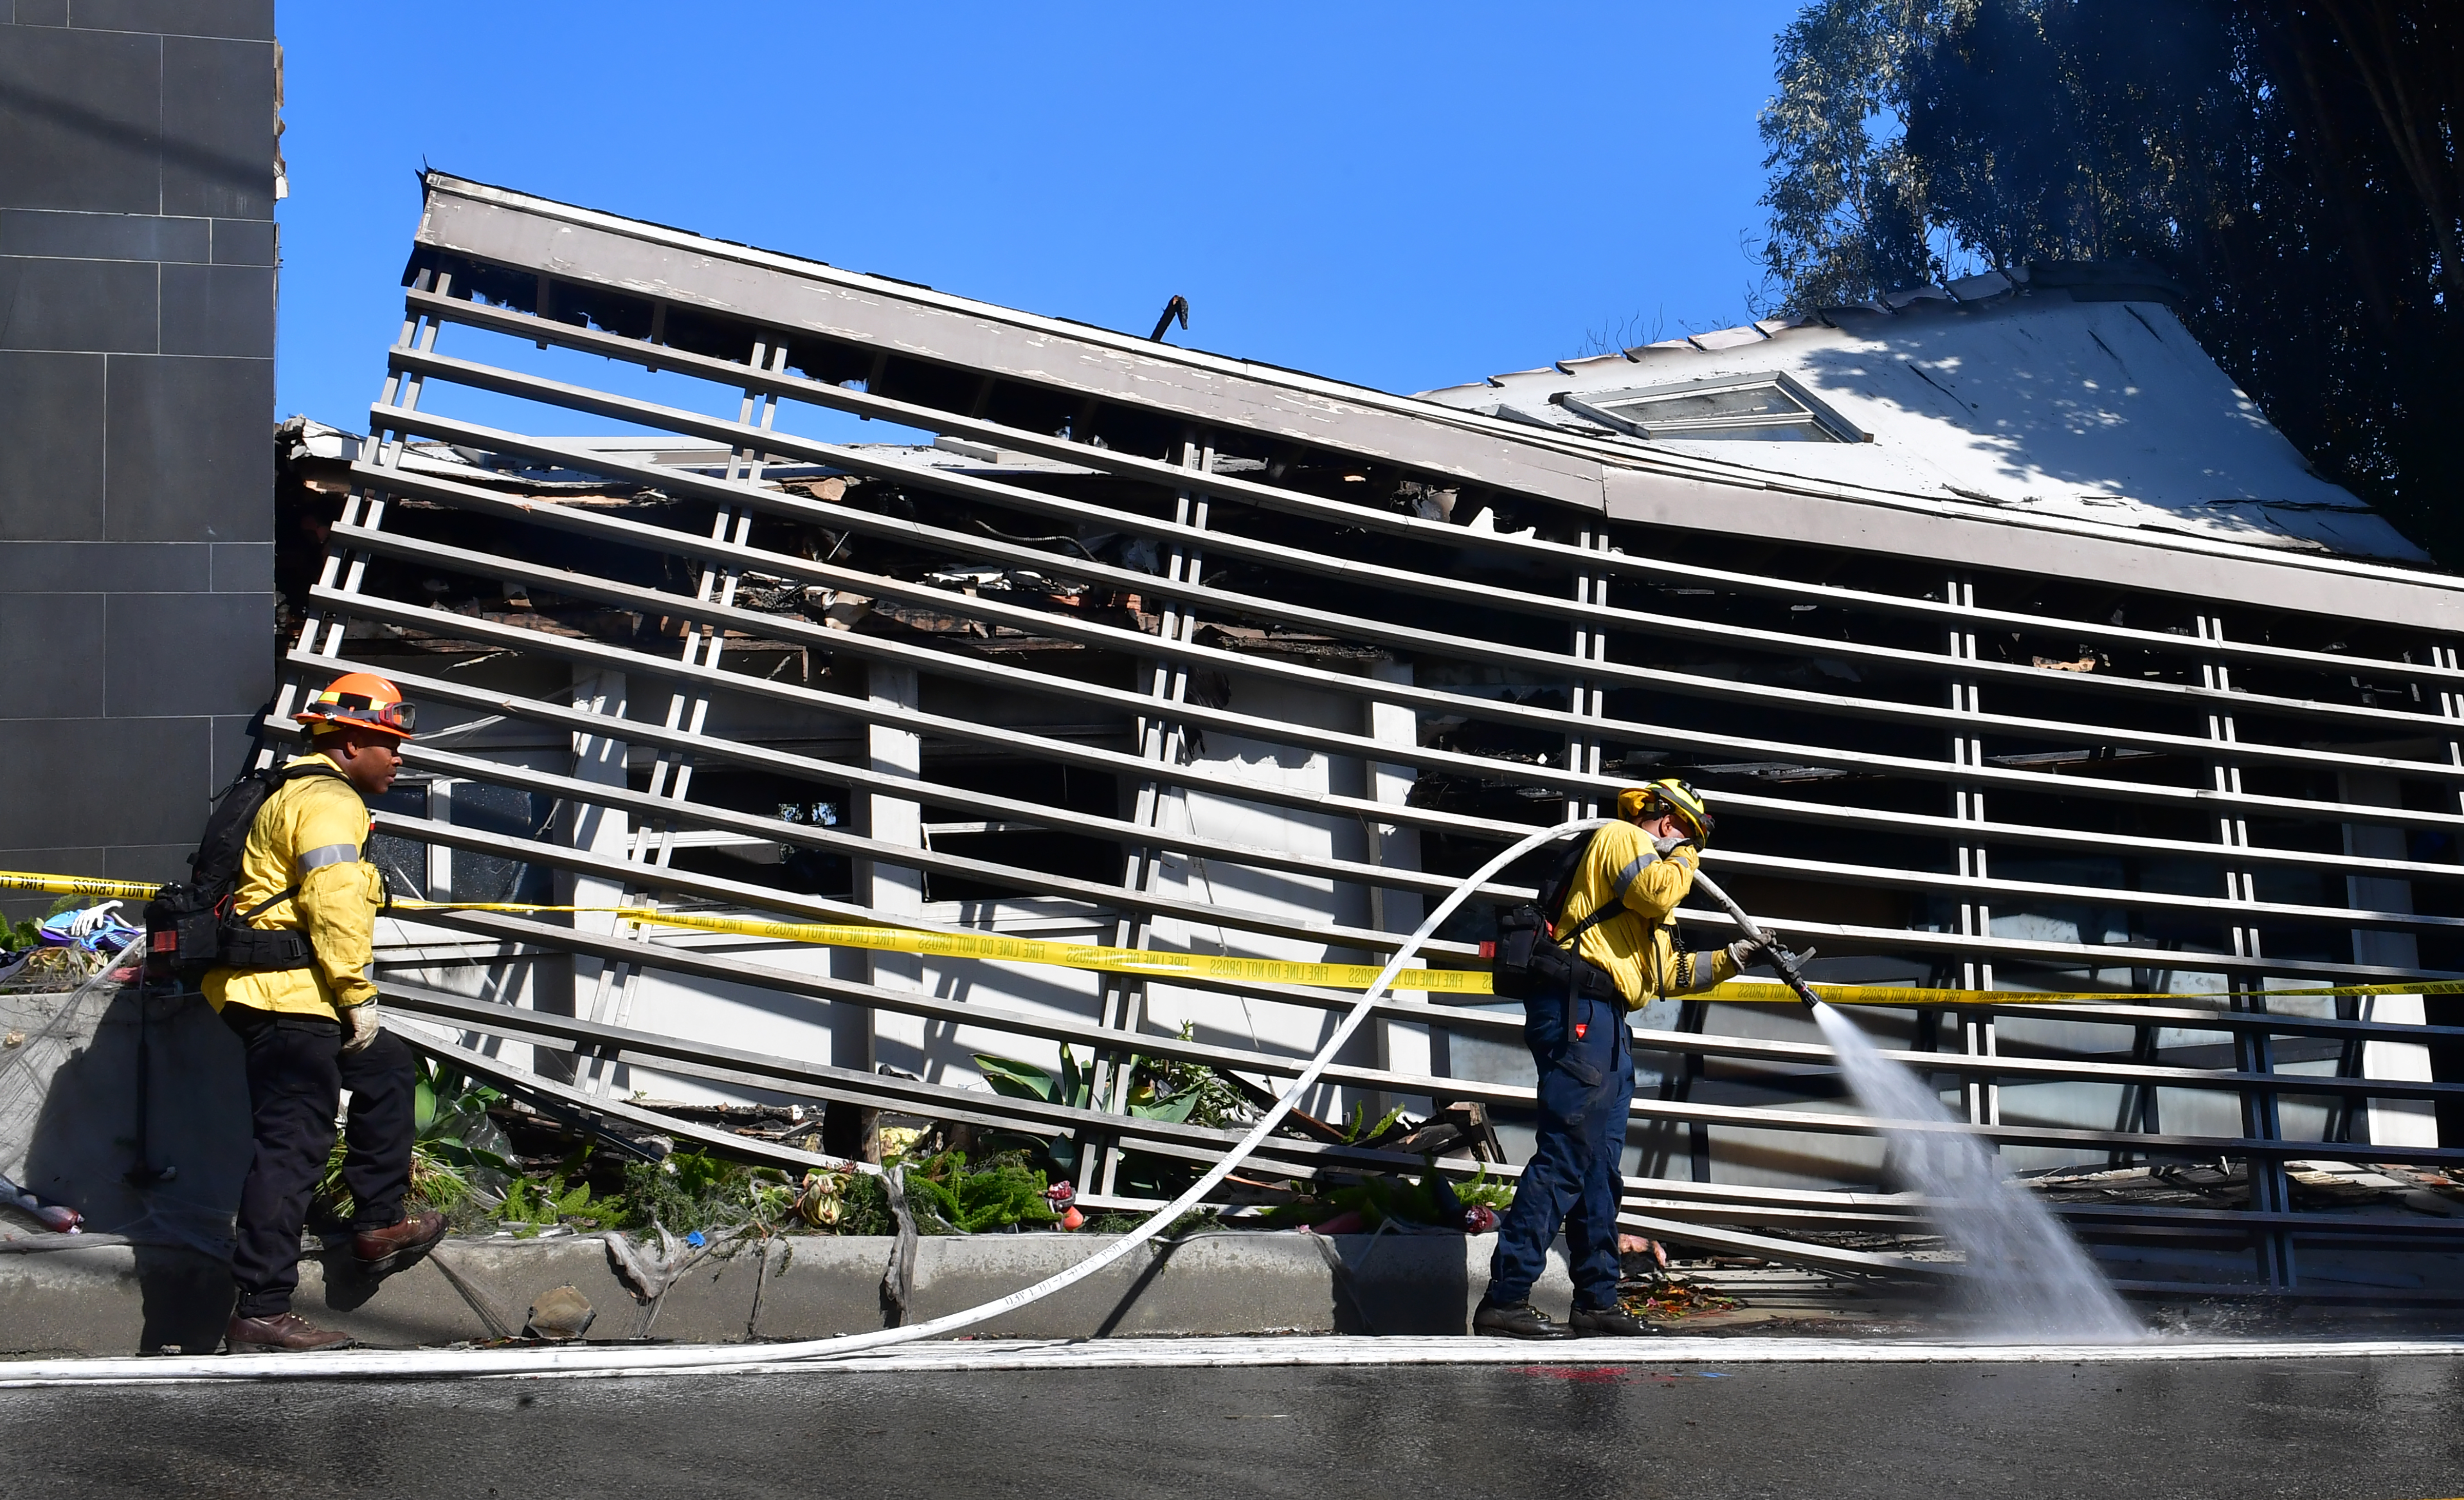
[296,1069]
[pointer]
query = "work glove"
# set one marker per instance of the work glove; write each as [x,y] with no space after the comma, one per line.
[360,1026]
[1665,847]
[1746,952]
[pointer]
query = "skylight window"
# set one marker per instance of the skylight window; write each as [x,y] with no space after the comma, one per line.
[1754,408]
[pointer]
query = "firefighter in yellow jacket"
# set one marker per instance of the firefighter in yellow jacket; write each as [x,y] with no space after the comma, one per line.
[303,1007]
[1638,869]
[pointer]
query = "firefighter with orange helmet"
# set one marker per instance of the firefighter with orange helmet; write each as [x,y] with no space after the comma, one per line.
[295,989]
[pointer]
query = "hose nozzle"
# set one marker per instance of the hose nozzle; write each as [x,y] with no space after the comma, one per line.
[1790,973]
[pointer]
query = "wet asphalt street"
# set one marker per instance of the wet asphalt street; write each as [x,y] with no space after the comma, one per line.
[2383,1428]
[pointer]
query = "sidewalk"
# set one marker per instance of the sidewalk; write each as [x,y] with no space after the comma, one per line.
[60,1296]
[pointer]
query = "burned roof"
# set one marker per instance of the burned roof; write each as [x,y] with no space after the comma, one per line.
[2072,392]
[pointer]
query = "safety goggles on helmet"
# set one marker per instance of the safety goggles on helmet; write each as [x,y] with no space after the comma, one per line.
[1672,795]
[361,698]
[353,709]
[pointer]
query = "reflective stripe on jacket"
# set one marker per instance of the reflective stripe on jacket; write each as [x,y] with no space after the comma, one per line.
[310,833]
[1639,945]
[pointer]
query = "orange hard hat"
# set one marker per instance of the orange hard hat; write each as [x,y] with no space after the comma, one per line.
[361,698]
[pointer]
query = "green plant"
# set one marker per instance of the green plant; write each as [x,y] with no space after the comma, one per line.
[1356,1131]
[1212,1102]
[1479,1190]
[1001,1194]
[441,1093]
[772,1195]
[695,1190]
[1158,1089]
[867,1208]
[822,1199]
[455,1154]
[689,1191]
[27,934]
[1378,1198]
[1025,1080]
[1195,1221]
[457,1142]
[530,1207]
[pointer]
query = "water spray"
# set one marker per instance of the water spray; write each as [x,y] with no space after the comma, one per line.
[2028,1280]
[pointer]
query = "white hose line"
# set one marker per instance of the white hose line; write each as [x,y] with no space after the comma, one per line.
[1722,1352]
[390,1364]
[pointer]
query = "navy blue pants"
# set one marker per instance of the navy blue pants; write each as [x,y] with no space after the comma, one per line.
[1573,1176]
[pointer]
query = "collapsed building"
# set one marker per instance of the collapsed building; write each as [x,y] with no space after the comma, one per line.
[2017,651]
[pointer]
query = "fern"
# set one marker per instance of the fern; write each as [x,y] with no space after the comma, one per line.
[972,1201]
[1479,1190]
[532,1206]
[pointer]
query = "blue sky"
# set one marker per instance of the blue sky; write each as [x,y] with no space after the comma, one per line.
[1406,196]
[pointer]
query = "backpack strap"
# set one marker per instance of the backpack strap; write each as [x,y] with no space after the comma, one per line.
[315,859]
[1615,903]
[268,904]
[1606,909]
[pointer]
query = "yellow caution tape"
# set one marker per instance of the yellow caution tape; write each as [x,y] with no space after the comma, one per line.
[75,885]
[1145,961]
[1753,992]
[1151,964]
[1154,963]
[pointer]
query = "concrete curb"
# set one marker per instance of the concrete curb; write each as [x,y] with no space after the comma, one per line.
[117,1299]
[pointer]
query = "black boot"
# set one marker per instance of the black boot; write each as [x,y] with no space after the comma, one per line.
[1517,1320]
[1608,1322]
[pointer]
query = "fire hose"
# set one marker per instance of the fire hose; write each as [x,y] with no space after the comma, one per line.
[1790,973]
[394,1364]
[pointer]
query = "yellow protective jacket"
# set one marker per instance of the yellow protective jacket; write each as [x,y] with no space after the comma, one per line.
[1639,945]
[310,833]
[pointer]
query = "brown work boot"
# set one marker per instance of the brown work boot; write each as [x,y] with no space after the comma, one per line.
[383,1252]
[284,1333]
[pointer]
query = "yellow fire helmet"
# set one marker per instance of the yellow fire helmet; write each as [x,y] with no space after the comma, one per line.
[1670,795]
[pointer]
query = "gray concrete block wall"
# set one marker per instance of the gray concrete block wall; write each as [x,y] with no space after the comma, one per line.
[68,1118]
[138,254]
